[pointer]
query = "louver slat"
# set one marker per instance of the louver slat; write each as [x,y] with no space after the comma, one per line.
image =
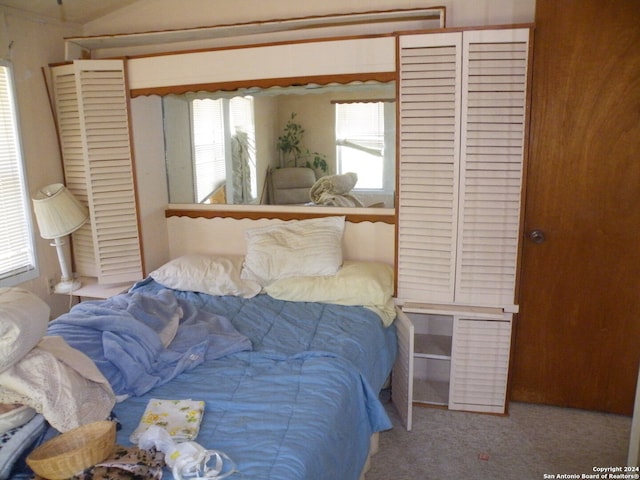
[493,126]
[91,106]
[428,177]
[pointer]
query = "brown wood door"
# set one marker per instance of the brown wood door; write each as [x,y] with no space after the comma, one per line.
[578,332]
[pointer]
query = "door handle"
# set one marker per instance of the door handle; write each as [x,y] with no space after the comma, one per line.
[537,236]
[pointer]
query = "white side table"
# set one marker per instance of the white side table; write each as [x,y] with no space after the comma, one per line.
[92,289]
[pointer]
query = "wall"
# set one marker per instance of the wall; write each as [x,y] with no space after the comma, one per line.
[35,42]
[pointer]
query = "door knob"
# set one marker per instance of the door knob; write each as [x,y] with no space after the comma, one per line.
[537,236]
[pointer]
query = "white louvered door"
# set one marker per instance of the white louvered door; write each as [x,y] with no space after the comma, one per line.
[480,363]
[462,114]
[494,99]
[402,378]
[429,121]
[92,112]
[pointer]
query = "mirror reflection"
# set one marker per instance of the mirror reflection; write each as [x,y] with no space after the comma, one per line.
[330,145]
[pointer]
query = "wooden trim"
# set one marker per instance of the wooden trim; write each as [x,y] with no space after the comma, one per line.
[383,77]
[243,46]
[362,100]
[396,196]
[280,215]
[134,176]
[525,167]
[430,31]
[270,26]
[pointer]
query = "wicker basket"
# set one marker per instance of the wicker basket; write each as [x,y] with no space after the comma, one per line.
[73,451]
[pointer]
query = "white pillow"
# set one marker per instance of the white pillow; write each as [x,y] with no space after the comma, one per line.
[215,275]
[296,248]
[23,322]
[368,284]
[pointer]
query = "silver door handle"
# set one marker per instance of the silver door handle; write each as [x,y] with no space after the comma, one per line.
[537,236]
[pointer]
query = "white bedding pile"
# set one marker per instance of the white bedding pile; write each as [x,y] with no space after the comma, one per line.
[45,373]
[335,190]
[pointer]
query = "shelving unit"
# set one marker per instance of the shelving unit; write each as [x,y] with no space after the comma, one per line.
[463,102]
[431,356]
[459,356]
[91,289]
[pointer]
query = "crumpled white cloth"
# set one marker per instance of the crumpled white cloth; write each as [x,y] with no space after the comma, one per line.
[61,383]
[334,190]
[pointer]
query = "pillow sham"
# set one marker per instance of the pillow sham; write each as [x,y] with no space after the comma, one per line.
[23,322]
[368,284]
[215,275]
[310,247]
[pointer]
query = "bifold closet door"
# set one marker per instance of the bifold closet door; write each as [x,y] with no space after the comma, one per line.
[462,119]
[91,105]
[430,70]
[492,151]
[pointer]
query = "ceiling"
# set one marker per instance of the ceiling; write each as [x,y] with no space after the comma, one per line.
[75,11]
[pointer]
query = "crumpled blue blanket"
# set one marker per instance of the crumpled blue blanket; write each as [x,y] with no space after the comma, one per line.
[122,335]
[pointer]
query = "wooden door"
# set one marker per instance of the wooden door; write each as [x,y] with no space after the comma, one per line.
[578,333]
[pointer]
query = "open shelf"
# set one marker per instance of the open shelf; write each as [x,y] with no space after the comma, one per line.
[430,392]
[432,346]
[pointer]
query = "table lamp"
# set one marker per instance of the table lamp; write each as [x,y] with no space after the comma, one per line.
[59,213]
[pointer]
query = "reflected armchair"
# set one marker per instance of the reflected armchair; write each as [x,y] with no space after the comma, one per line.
[291,185]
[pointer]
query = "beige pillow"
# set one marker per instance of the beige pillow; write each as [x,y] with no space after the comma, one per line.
[369,284]
[23,322]
[296,248]
[215,275]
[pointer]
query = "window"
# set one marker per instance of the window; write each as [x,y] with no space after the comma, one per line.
[365,142]
[17,248]
[224,141]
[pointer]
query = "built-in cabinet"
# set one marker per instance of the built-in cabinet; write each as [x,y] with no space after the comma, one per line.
[462,109]
[462,133]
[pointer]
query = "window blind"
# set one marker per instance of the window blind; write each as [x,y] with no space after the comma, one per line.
[215,123]
[208,146]
[17,251]
[360,139]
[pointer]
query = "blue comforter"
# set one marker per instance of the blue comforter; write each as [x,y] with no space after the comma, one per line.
[276,326]
[123,336]
[302,417]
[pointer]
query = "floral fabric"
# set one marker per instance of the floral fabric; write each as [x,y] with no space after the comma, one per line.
[180,418]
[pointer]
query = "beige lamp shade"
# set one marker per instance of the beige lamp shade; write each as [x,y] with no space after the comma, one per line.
[57,211]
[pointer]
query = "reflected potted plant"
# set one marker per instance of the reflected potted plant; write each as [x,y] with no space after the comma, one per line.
[292,151]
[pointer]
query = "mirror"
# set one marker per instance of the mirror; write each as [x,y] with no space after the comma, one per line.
[223,147]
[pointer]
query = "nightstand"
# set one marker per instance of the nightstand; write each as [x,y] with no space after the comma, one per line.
[92,289]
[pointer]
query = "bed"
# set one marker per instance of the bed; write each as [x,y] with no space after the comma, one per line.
[288,351]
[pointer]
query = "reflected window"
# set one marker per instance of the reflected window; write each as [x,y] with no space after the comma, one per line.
[365,142]
[224,150]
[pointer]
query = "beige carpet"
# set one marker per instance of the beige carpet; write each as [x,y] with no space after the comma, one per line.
[533,440]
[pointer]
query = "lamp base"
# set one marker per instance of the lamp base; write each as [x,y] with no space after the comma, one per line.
[67,286]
